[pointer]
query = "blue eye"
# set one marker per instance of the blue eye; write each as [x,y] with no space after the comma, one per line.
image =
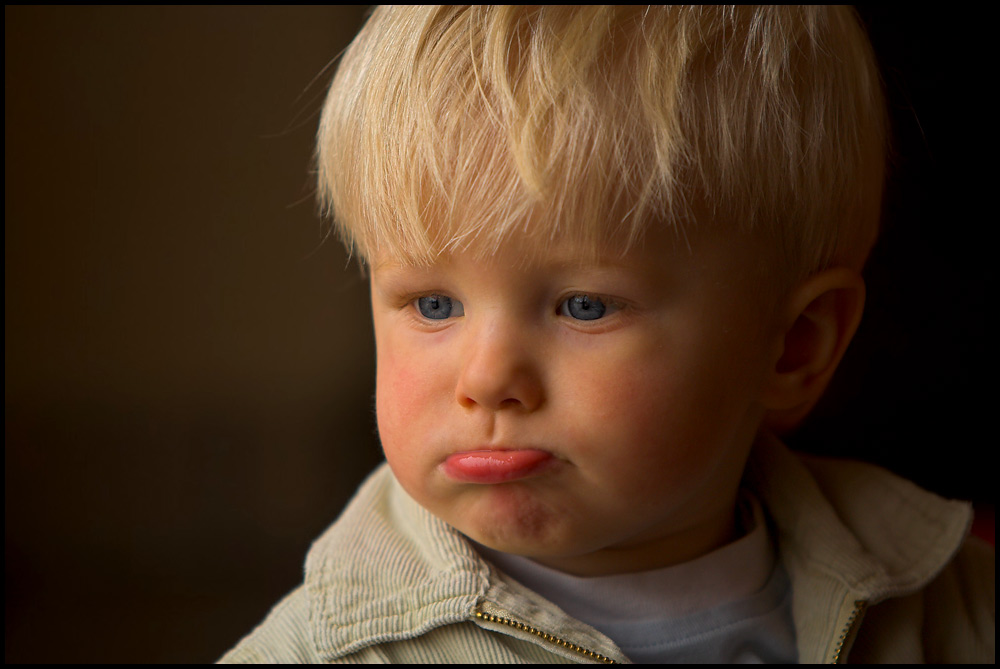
[439,307]
[583,308]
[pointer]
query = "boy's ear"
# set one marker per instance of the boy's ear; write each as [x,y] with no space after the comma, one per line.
[821,317]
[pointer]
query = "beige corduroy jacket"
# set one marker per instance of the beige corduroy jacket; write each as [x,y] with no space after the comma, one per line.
[881,571]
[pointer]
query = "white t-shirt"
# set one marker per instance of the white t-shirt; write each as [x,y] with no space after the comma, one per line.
[732,605]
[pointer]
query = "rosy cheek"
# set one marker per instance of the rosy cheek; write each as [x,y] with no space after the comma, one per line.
[409,390]
[395,392]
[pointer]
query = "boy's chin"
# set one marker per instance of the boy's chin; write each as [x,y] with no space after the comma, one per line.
[526,527]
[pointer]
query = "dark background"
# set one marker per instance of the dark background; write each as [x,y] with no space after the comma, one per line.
[189,364]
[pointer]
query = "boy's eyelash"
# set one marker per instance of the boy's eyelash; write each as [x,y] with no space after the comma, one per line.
[608,300]
[409,299]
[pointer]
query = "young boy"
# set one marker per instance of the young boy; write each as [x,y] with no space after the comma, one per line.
[613,251]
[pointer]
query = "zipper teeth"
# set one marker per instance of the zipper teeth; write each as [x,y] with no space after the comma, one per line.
[544,635]
[852,621]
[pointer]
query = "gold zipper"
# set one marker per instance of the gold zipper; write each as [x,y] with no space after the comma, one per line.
[544,635]
[850,630]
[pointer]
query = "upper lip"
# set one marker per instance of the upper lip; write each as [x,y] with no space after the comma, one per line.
[500,447]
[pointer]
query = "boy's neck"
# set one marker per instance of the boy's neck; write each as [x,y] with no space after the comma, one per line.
[667,551]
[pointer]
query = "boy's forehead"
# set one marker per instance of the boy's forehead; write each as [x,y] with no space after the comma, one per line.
[661,251]
[561,250]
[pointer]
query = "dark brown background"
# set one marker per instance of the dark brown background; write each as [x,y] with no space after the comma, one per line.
[189,367]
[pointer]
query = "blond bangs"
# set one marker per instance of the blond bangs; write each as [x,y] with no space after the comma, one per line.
[455,128]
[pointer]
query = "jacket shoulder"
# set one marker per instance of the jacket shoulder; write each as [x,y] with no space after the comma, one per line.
[960,607]
[282,638]
[952,620]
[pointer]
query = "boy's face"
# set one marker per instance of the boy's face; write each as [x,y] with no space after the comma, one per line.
[593,416]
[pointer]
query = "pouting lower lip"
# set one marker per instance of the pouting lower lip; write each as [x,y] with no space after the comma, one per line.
[495,465]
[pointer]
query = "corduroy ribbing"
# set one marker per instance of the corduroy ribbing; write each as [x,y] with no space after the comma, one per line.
[404,584]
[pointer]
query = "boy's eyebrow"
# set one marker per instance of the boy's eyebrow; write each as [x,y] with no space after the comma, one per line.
[553,260]
[391,270]
[395,265]
[390,274]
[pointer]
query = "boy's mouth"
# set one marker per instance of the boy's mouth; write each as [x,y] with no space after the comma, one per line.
[496,465]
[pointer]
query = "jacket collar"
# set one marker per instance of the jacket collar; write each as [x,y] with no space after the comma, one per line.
[850,535]
[388,570]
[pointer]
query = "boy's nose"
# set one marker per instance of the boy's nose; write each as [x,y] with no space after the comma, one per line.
[499,371]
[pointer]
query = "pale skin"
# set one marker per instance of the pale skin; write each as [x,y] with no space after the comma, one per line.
[645,379]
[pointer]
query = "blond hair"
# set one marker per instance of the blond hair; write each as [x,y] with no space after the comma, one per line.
[454,128]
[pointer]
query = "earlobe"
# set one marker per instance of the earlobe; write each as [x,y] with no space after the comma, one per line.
[821,317]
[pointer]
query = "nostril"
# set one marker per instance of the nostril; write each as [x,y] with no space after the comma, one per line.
[520,392]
